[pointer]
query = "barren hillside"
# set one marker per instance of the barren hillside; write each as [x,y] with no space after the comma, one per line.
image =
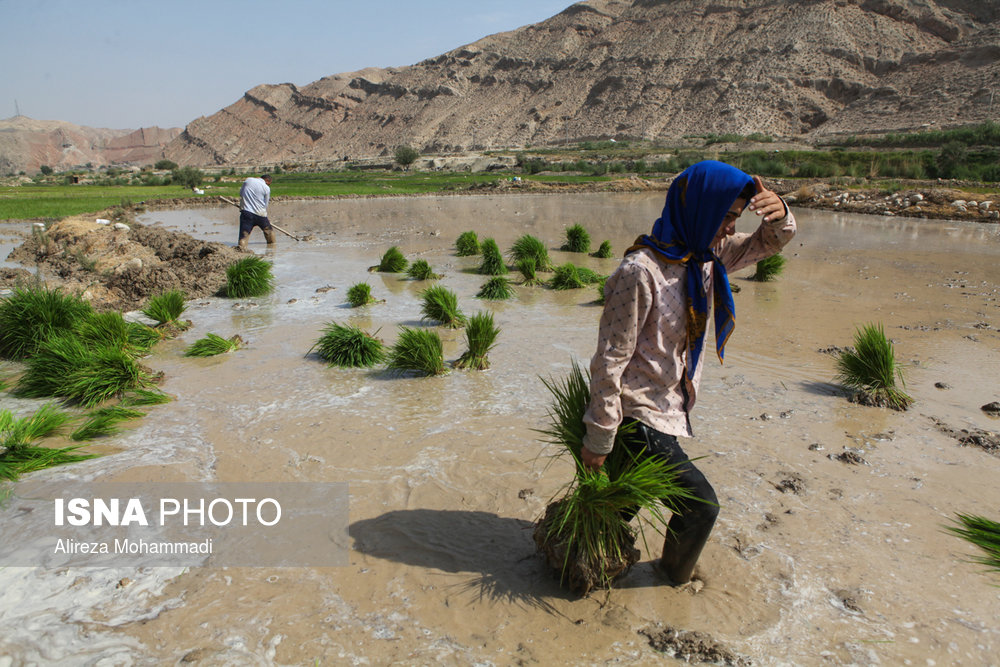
[637,68]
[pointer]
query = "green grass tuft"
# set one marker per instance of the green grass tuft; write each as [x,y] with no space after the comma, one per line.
[165,307]
[30,316]
[421,270]
[360,294]
[493,264]
[441,304]
[480,337]
[248,277]
[871,370]
[348,347]
[212,344]
[530,247]
[769,268]
[604,251]
[467,244]
[392,261]
[983,533]
[418,350]
[496,288]
[577,239]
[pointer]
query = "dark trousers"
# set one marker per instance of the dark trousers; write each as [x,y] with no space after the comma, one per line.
[691,525]
[250,220]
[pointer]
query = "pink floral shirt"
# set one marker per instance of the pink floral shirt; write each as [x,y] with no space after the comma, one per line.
[638,369]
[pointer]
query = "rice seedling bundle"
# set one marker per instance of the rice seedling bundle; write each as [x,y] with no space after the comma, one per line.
[567,276]
[103,421]
[530,247]
[480,336]
[577,239]
[45,421]
[18,454]
[600,290]
[418,350]
[421,270]
[769,268]
[527,268]
[467,244]
[248,277]
[493,264]
[142,397]
[441,304]
[983,533]
[583,535]
[213,344]
[360,294]
[348,347]
[589,276]
[165,307]
[392,261]
[871,370]
[604,250]
[111,329]
[496,288]
[30,316]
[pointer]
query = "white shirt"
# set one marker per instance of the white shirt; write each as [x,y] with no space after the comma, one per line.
[255,195]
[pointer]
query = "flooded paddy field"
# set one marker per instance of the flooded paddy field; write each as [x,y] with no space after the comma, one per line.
[814,559]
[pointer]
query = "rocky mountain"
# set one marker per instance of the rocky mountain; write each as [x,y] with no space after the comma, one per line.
[26,144]
[637,69]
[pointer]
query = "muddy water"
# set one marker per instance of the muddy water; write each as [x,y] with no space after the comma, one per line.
[813,560]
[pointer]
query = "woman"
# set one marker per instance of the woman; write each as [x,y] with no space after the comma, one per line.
[647,365]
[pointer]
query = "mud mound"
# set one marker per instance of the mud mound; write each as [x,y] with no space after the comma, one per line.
[695,647]
[119,266]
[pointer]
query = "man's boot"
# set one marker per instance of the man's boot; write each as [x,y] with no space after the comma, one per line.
[681,550]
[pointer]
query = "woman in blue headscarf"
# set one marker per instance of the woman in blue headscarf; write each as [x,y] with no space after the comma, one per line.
[648,361]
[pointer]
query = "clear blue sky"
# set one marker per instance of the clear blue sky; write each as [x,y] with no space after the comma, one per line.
[135,63]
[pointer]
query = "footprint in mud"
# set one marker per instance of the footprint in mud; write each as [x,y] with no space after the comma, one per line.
[790,482]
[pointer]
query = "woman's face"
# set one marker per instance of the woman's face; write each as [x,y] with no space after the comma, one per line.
[728,227]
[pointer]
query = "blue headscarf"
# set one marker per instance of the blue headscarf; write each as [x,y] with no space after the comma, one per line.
[697,203]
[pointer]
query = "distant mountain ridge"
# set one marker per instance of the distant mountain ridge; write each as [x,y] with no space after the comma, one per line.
[26,144]
[637,69]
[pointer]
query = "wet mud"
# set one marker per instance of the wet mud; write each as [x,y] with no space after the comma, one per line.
[812,561]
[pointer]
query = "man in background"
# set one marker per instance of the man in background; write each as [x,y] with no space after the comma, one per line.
[255,195]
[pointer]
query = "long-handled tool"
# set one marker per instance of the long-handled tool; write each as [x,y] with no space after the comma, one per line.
[237,205]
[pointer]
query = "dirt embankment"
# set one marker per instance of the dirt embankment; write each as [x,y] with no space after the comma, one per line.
[120,264]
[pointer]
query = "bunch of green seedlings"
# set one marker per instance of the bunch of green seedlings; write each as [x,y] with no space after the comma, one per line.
[528,246]
[497,288]
[577,239]
[392,261]
[165,308]
[441,304]
[213,344]
[871,370]
[417,350]
[110,329]
[983,533]
[248,277]
[480,336]
[360,294]
[492,264]
[527,267]
[584,535]
[570,276]
[421,270]
[29,316]
[603,251]
[104,421]
[467,244]
[19,453]
[600,290]
[348,347]
[769,268]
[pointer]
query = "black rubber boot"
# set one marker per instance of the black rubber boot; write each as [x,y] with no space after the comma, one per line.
[683,546]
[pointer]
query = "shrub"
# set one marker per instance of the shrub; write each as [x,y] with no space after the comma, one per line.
[529,246]
[492,259]
[213,344]
[871,370]
[406,155]
[360,294]
[604,251]
[467,244]
[189,177]
[348,347]
[480,337]
[417,350]
[28,317]
[165,307]
[248,277]
[497,288]
[421,270]
[441,304]
[577,239]
[392,261]
[165,165]
[769,268]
